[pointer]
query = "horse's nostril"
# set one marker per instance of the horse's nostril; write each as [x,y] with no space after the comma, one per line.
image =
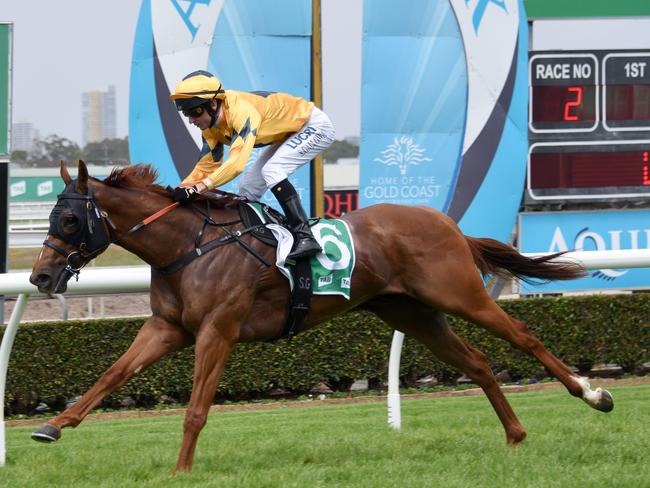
[40,279]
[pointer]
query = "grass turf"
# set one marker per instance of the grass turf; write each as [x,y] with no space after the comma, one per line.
[450,442]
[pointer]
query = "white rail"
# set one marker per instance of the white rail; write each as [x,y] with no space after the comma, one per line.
[622,258]
[138,279]
[91,280]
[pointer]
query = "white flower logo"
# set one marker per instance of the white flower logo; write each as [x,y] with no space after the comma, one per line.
[402,152]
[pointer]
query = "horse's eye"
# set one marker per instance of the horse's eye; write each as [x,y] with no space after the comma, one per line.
[69,222]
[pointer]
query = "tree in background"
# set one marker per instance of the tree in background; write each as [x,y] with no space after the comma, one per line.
[108,152]
[19,156]
[340,149]
[52,149]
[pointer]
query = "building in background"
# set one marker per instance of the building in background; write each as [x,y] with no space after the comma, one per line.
[23,135]
[99,120]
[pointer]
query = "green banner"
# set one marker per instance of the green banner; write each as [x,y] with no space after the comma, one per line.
[5,89]
[34,189]
[540,9]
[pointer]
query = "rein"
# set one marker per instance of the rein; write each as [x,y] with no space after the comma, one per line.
[77,259]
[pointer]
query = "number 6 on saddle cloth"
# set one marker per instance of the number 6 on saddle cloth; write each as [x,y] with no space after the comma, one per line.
[326,273]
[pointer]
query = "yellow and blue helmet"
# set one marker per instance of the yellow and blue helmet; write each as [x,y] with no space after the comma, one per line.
[197,88]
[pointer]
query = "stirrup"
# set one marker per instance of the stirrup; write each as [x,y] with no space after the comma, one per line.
[305,247]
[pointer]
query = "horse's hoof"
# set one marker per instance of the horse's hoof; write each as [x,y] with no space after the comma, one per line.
[46,433]
[606,402]
[516,437]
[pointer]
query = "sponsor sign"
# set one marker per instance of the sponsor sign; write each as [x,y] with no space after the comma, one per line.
[445,126]
[6,31]
[588,231]
[33,189]
[339,202]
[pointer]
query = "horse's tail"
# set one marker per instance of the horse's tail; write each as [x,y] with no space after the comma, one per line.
[494,257]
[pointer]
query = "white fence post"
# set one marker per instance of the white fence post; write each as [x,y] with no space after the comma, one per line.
[5,352]
[394,407]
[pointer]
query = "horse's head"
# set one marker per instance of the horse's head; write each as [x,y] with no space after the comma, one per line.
[76,235]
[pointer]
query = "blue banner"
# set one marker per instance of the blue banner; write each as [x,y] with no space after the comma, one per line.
[443,109]
[249,45]
[588,231]
[412,103]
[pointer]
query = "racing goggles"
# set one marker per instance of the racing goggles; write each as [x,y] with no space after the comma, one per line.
[194,112]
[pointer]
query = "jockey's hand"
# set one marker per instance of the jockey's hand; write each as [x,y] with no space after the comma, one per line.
[185,194]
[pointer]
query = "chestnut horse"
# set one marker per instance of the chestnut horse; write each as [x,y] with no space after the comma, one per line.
[413,265]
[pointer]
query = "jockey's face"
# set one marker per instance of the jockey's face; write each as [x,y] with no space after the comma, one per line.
[203,120]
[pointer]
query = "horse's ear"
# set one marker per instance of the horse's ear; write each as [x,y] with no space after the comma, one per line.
[64,173]
[82,178]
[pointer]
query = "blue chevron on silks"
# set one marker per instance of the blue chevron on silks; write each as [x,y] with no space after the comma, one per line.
[444,109]
[250,45]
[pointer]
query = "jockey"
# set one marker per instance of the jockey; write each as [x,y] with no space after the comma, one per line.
[293,130]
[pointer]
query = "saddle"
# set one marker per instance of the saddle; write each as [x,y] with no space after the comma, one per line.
[257,215]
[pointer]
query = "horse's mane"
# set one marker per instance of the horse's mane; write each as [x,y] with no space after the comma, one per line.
[138,176]
[144,176]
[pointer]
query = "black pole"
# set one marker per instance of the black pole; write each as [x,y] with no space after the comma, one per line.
[4,218]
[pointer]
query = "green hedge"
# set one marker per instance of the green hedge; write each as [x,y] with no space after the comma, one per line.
[54,361]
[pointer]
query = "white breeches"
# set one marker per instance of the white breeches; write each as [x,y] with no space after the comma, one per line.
[278,161]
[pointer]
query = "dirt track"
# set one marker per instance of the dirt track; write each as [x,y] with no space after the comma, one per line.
[97,306]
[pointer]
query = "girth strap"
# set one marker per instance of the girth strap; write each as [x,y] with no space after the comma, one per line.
[300,298]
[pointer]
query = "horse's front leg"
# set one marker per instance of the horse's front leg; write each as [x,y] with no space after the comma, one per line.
[155,339]
[213,347]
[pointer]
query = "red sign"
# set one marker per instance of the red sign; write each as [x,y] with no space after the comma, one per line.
[339,202]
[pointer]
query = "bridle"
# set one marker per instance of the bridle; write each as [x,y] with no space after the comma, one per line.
[94,233]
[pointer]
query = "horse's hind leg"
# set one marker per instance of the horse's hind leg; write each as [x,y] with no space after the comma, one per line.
[430,328]
[486,313]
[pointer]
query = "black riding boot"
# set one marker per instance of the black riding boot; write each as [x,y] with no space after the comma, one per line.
[305,244]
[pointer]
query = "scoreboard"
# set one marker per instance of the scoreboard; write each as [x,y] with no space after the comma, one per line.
[588,126]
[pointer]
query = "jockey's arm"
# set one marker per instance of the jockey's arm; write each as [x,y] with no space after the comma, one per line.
[211,156]
[245,128]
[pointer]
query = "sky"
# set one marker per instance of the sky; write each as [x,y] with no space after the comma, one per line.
[65,48]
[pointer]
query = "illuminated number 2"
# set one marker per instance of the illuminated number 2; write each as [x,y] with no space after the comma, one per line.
[577,90]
